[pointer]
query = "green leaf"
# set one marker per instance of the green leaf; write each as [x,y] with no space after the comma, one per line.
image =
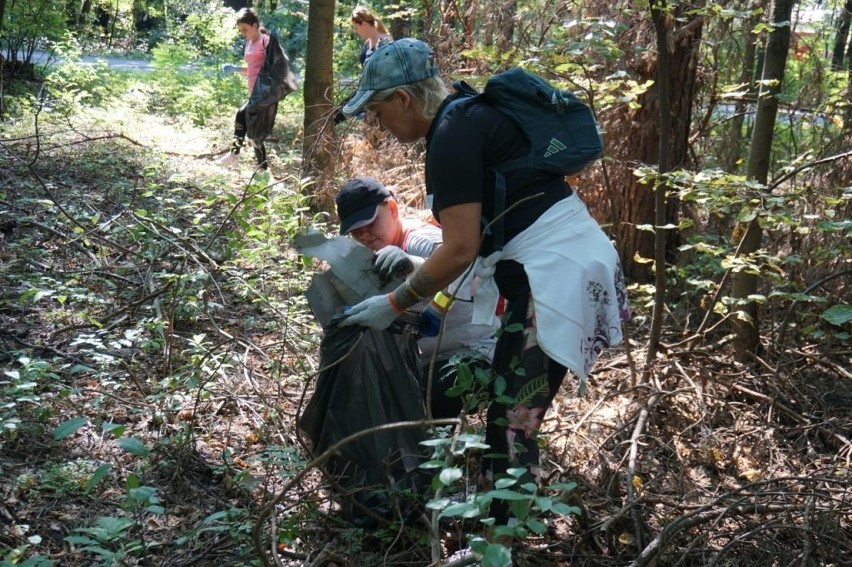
[433,464]
[463,509]
[99,475]
[536,526]
[496,556]
[505,482]
[439,504]
[544,503]
[215,517]
[117,429]
[69,427]
[838,314]
[475,442]
[134,446]
[564,486]
[566,510]
[84,540]
[144,493]
[434,442]
[449,476]
[508,495]
[499,386]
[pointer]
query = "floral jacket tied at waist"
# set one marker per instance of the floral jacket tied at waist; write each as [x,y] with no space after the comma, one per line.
[577,286]
[275,81]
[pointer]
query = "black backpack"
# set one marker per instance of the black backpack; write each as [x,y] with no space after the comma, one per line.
[562,131]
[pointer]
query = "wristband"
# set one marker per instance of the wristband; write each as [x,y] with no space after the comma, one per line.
[393,304]
[441,300]
[409,289]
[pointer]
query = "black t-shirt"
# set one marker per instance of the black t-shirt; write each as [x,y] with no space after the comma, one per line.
[367,51]
[463,149]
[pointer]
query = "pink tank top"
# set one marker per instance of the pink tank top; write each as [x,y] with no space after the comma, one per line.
[254,54]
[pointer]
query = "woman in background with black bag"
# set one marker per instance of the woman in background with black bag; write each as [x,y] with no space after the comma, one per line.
[269,80]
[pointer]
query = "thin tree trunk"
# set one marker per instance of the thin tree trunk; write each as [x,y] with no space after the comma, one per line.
[112,25]
[749,235]
[734,144]
[658,15]
[318,126]
[841,36]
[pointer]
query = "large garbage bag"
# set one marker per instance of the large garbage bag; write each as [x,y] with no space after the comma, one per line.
[370,378]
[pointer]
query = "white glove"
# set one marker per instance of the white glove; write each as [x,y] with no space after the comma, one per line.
[228,68]
[374,312]
[392,260]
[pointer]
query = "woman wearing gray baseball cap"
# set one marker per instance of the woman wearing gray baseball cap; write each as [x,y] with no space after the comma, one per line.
[558,271]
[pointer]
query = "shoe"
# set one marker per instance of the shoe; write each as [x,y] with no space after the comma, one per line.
[228,159]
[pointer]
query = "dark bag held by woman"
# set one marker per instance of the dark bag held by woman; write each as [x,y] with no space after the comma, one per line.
[369,379]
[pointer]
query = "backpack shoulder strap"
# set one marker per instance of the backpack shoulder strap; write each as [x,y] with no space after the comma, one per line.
[466,93]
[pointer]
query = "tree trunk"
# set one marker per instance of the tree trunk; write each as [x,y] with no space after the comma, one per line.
[83,17]
[112,25]
[658,15]
[749,235]
[2,64]
[841,36]
[400,24]
[734,136]
[317,90]
[506,25]
[633,139]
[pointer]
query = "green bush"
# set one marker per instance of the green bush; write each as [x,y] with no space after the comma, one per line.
[199,92]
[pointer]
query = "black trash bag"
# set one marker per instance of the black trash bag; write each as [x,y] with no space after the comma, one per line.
[375,384]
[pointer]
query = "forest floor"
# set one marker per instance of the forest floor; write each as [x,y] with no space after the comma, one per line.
[156,349]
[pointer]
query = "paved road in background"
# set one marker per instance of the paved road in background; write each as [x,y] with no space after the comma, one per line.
[117,63]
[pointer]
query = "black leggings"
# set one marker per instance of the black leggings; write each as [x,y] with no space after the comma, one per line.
[240,137]
[531,380]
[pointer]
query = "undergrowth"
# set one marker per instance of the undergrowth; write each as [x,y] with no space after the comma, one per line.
[156,345]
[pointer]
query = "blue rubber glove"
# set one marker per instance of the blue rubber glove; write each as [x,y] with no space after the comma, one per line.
[374,312]
[430,322]
[433,315]
[392,260]
[228,68]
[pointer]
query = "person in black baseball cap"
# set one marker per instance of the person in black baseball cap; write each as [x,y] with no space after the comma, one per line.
[358,202]
[370,214]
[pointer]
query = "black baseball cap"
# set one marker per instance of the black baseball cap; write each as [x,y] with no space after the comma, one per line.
[358,201]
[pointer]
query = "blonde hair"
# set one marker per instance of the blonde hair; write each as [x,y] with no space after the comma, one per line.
[362,15]
[430,93]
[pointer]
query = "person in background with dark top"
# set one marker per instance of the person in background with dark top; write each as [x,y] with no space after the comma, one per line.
[269,80]
[373,32]
[370,214]
[558,270]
